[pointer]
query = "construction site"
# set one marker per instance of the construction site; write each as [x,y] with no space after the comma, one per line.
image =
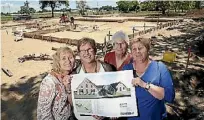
[28,45]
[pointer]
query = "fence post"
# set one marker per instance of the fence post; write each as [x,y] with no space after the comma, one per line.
[109,35]
[133,31]
[144,26]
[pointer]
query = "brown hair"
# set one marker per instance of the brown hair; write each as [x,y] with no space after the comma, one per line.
[86,40]
[56,58]
[144,41]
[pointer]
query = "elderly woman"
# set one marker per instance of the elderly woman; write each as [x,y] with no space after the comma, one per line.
[54,101]
[153,82]
[89,64]
[119,56]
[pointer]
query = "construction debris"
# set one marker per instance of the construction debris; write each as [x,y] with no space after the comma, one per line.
[7,72]
[18,36]
[34,57]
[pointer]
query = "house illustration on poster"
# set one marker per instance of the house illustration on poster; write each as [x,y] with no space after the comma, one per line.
[87,89]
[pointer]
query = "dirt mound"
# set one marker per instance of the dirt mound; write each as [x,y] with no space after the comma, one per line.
[196,13]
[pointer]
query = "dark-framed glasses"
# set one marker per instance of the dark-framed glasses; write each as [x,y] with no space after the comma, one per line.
[89,50]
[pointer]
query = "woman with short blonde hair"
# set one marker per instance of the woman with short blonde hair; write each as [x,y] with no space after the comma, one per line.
[152,80]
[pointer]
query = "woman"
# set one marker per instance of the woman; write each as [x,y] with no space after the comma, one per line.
[89,64]
[54,101]
[153,82]
[119,56]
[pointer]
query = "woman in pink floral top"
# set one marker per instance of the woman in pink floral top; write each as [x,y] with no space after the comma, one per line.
[54,101]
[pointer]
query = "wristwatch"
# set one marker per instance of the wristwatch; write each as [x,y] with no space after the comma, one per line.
[147,87]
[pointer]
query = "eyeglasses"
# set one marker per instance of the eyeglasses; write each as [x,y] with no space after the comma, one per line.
[119,44]
[90,50]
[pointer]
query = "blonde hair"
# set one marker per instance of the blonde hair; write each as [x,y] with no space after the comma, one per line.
[56,58]
[144,41]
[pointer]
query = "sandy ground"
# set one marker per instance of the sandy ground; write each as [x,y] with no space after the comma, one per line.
[86,29]
[11,51]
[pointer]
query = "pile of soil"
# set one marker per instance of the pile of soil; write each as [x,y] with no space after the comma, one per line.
[196,13]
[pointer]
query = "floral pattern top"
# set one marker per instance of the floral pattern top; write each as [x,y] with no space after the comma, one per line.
[53,100]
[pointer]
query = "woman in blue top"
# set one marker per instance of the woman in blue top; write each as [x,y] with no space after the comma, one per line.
[153,82]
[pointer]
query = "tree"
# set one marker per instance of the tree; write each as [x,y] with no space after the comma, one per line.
[107,8]
[198,4]
[126,6]
[123,6]
[24,9]
[182,5]
[53,4]
[147,6]
[32,10]
[133,5]
[163,6]
[81,5]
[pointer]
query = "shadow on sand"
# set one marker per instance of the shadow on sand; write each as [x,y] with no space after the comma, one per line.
[21,108]
[189,86]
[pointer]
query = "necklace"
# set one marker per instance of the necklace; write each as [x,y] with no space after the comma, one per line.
[88,72]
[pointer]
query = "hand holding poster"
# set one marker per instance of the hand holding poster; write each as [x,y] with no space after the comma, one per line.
[109,94]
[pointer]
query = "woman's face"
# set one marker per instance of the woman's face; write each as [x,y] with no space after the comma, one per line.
[66,61]
[139,52]
[120,47]
[86,53]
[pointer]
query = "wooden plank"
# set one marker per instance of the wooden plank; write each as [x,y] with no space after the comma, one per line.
[7,72]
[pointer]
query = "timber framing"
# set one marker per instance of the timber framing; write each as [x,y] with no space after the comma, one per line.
[39,34]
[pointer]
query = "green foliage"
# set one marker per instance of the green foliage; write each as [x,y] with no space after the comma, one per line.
[133,6]
[182,5]
[107,8]
[53,4]
[32,10]
[123,6]
[6,18]
[162,6]
[165,6]
[126,6]
[198,4]
[147,6]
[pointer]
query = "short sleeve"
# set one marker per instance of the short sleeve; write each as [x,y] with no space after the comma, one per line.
[128,67]
[167,83]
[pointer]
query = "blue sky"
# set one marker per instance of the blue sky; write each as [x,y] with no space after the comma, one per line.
[14,5]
